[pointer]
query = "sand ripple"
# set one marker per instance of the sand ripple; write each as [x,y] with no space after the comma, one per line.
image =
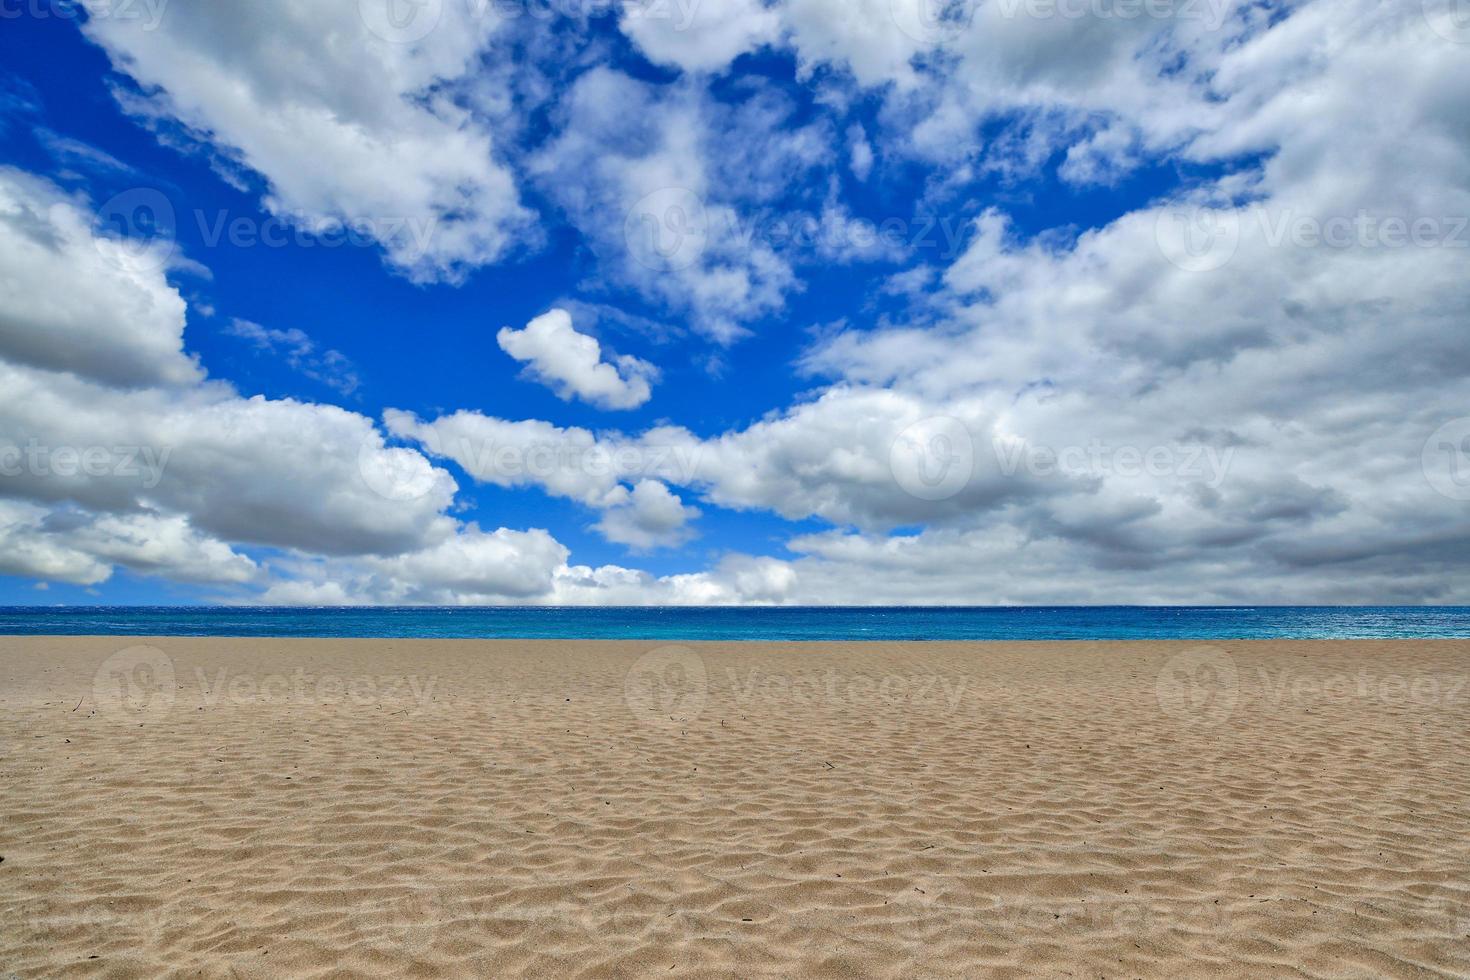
[816,810]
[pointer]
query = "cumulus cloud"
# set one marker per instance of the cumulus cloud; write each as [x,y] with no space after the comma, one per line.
[81,301]
[649,516]
[471,567]
[571,363]
[624,479]
[235,465]
[1225,394]
[322,101]
[662,197]
[700,36]
[26,549]
[73,546]
[167,474]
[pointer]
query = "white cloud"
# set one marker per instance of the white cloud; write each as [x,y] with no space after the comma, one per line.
[659,179]
[622,478]
[471,567]
[345,126]
[648,517]
[699,36]
[860,152]
[163,478]
[565,462]
[78,301]
[80,548]
[237,467]
[232,468]
[161,545]
[572,365]
[1131,420]
[864,36]
[25,549]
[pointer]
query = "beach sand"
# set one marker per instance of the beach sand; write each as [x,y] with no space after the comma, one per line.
[277,808]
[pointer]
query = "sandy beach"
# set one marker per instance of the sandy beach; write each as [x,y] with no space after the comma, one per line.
[281,808]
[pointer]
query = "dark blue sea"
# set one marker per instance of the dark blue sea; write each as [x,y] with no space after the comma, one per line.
[782,623]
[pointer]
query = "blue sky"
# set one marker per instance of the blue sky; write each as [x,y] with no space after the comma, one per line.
[1238,417]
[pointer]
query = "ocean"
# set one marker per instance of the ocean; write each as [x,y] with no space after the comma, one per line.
[754,623]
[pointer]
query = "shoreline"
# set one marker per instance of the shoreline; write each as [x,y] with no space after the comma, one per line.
[1124,642]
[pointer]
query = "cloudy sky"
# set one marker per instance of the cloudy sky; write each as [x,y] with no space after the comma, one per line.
[734,301]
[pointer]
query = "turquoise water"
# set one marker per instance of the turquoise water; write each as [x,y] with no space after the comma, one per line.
[783,623]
